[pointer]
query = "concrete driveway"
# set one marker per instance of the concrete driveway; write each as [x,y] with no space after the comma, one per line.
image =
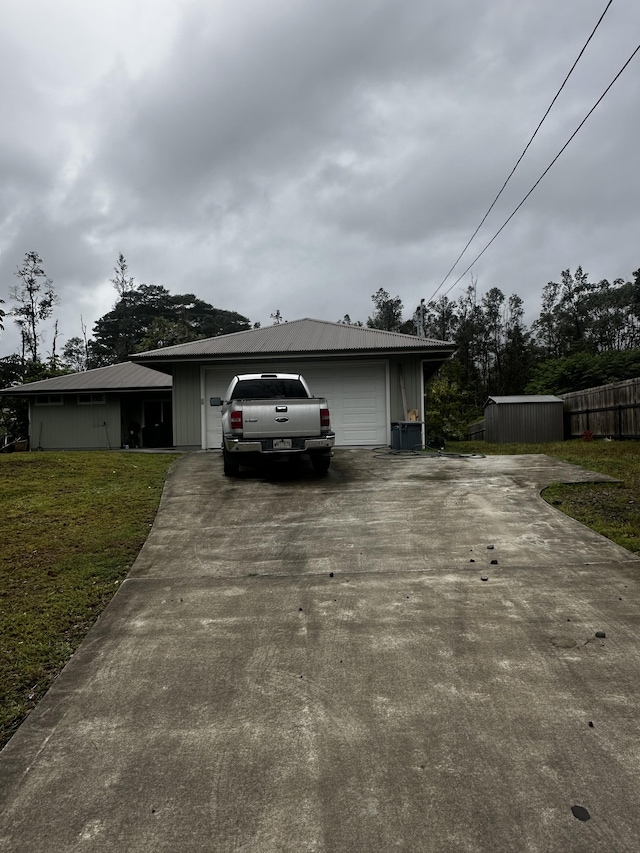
[298,664]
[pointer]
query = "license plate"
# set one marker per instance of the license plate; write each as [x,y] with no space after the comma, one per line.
[282,444]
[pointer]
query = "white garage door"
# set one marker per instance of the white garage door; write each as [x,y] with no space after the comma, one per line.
[356,393]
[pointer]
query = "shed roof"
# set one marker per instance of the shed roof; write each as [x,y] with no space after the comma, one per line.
[299,337]
[116,377]
[524,398]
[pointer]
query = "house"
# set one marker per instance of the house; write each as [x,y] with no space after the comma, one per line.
[526,418]
[124,404]
[369,376]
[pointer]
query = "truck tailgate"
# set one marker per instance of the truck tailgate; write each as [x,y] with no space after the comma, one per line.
[281,418]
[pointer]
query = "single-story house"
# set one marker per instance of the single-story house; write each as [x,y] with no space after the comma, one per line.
[370,377]
[124,404]
[525,418]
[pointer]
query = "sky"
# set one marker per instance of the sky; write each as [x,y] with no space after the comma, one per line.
[298,155]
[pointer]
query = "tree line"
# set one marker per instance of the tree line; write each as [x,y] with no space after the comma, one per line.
[587,334]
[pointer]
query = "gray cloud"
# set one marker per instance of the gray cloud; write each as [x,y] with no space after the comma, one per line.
[299,156]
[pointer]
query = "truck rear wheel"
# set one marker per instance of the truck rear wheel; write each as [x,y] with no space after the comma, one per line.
[231,465]
[320,462]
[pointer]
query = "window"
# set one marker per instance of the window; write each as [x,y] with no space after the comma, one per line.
[91,399]
[49,400]
[268,389]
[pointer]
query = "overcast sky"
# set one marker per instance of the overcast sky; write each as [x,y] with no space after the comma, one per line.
[300,154]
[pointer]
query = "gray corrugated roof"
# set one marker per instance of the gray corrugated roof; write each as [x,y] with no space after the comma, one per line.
[299,336]
[525,398]
[117,377]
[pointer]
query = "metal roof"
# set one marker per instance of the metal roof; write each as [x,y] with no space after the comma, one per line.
[525,398]
[299,336]
[116,377]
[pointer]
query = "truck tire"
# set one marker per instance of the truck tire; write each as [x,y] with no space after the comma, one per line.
[231,465]
[321,463]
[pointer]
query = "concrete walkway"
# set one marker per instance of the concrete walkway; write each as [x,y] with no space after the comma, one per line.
[298,664]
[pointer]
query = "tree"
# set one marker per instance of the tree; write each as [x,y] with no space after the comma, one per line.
[518,355]
[35,300]
[440,319]
[449,406]
[122,282]
[2,315]
[583,370]
[75,355]
[277,317]
[388,313]
[148,317]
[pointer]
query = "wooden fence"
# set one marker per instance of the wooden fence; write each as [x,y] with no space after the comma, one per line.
[608,411]
[475,431]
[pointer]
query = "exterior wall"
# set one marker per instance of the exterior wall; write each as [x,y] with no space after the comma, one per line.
[75,427]
[523,422]
[412,373]
[189,416]
[187,407]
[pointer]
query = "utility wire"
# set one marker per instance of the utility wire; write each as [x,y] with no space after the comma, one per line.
[520,158]
[575,132]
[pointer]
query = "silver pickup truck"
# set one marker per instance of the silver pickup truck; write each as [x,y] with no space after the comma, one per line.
[273,416]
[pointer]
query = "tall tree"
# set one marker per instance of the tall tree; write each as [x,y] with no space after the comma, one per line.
[491,327]
[34,298]
[518,357]
[441,319]
[388,313]
[122,281]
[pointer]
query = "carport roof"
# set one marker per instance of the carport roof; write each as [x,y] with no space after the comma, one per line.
[299,337]
[116,377]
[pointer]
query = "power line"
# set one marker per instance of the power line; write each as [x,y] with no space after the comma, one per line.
[573,135]
[520,158]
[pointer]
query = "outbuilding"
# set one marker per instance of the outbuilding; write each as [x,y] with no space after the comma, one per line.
[523,419]
[123,404]
[370,377]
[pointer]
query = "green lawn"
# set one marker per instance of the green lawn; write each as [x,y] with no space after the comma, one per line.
[612,509]
[71,525]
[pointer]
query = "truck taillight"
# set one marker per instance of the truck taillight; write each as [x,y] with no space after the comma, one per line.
[325,420]
[236,420]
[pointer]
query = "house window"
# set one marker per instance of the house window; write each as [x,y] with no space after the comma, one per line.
[49,400]
[91,399]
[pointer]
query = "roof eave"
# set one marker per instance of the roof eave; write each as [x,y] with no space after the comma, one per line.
[440,351]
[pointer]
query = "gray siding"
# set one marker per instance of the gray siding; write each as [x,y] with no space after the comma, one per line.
[523,422]
[74,427]
[187,406]
[412,373]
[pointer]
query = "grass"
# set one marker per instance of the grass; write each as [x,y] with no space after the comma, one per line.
[612,509]
[71,525]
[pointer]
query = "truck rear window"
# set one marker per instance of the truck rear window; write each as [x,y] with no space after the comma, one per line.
[268,389]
